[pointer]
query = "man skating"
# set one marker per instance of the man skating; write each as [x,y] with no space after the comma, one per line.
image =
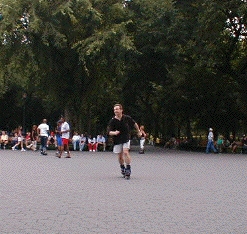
[119,127]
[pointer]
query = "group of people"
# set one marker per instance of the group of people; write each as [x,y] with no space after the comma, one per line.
[87,142]
[18,140]
[62,132]
[39,133]
[119,128]
[222,143]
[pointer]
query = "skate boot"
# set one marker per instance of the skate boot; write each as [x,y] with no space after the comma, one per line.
[141,151]
[122,170]
[127,172]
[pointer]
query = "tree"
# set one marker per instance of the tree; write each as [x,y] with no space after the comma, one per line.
[206,60]
[147,79]
[175,66]
[72,48]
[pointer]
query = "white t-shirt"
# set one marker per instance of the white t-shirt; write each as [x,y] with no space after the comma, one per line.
[92,140]
[65,127]
[4,137]
[76,138]
[210,136]
[44,128]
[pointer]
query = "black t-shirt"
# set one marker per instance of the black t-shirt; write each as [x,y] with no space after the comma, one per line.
[124,126]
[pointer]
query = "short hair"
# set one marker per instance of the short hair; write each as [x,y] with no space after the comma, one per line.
[120,106]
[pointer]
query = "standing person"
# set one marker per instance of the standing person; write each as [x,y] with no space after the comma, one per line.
[142,140]
[210,145]
[43,130]
[119,127]
[65,132]
[58,138]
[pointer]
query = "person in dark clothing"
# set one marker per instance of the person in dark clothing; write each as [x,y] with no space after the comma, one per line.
[119,127]
[244,144]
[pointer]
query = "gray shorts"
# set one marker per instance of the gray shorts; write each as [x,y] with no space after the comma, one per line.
[119,148]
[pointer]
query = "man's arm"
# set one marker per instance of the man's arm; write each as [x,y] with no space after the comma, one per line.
[48,130]
[114,133]
[110,130]
[137,129]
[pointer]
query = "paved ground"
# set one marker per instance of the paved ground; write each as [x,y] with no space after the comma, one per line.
[169,192]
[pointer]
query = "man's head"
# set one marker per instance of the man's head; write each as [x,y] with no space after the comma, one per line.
[44,120]
[210,129]
[118,109]
[62,119]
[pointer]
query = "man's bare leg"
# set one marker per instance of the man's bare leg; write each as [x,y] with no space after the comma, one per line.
[66,148]
[121,162]
[127,159]
[121,158]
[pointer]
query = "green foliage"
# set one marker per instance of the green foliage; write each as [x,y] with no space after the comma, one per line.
[179,62]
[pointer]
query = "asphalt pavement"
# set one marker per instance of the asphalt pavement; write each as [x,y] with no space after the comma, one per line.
[169,191]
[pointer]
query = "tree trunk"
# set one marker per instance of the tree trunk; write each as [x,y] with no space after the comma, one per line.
[188,129]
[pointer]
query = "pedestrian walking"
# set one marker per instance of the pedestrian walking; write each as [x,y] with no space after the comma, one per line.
[210,145]
[43,130]
[119,127]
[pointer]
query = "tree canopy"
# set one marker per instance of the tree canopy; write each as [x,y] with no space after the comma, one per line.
[178,67]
